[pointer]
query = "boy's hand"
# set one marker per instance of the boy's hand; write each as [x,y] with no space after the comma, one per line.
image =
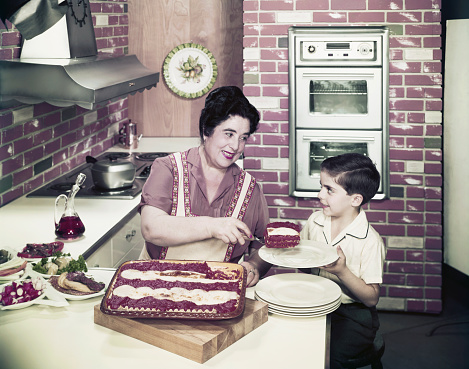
[338,266]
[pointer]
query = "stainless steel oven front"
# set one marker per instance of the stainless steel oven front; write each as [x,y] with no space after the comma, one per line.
[338,100]
[315,146]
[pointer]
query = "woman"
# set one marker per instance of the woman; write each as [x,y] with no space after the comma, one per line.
[199,205]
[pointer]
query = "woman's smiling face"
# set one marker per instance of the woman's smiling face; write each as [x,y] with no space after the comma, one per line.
[227,142]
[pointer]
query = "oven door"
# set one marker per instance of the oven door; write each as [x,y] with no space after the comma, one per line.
[313,146]
[339,98]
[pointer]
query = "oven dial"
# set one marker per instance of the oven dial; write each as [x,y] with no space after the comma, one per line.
[311,48]
[365,49]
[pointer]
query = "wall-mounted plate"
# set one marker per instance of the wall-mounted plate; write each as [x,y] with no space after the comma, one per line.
[190,70]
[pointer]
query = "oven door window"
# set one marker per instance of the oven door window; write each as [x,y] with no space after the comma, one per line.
[314,146]
[319,151]
[340,97]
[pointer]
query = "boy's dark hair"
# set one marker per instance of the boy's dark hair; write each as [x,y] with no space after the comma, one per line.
[355,172]
[221,104]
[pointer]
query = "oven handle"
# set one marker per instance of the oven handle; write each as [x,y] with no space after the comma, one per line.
[338,139]
[338,75]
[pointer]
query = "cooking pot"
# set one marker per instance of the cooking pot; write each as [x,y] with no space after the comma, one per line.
[111,174]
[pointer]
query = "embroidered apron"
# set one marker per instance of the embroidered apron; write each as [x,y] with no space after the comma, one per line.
[212,249]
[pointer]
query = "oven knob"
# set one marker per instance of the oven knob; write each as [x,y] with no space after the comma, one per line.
[311,48]
[365,49]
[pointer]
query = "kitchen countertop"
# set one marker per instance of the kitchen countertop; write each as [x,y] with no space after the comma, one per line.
[55,338]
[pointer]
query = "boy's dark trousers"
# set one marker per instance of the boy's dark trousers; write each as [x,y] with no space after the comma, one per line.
[353,330]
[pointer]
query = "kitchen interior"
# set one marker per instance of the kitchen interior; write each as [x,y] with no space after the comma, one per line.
[46,141]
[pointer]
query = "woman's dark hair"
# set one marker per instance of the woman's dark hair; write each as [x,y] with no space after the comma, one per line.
[355,172]
[223,103]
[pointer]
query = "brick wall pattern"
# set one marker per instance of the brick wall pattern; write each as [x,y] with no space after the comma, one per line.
[410,221]
[40,142]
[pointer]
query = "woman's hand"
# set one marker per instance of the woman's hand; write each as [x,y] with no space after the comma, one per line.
[253,273]
[228,229]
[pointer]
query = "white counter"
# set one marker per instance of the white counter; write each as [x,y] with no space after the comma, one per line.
[51,337]
[55,338]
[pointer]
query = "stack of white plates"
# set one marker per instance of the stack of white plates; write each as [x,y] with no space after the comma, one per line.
[298,294]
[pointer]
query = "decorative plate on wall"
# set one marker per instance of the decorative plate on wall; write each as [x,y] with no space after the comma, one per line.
[190,70]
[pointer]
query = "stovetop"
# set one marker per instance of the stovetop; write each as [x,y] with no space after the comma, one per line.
[63,184]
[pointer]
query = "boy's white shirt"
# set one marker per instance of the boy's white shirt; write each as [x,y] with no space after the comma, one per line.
[362,245]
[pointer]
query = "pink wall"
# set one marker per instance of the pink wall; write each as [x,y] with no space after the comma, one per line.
[411,220]
[40,142]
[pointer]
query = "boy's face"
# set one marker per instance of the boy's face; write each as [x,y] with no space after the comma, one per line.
[334,199]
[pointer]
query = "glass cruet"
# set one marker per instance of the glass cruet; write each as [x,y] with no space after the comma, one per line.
[69,227]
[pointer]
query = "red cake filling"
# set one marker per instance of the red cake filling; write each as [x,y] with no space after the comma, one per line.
[282,235]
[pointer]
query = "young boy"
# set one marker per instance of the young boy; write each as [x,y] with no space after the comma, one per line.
[347,182]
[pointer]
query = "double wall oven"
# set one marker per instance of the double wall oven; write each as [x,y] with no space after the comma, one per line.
[338,80]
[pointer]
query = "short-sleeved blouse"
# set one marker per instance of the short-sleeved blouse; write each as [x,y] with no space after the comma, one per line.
[157,192]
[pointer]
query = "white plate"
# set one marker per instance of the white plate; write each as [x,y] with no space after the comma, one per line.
[99,275]
[22,305]
[298,290]
[302,310]
[307,254]
[300,315]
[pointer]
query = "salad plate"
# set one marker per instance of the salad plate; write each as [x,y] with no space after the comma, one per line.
[26,304]
[99,275]
[307,254]
[11,277]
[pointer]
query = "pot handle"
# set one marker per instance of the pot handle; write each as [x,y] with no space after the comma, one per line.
[90,159]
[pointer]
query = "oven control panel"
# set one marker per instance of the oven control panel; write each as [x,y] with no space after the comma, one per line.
[340,50]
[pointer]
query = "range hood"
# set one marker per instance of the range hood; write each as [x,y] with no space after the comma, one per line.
[61,65]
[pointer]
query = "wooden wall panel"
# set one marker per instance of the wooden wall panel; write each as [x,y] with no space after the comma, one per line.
[155,28]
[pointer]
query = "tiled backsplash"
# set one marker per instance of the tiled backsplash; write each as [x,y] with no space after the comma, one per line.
[411,220]
[40,142]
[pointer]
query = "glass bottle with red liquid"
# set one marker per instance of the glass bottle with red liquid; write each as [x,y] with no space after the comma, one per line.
[69,227]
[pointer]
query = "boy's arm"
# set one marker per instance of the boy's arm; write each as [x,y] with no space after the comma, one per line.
[368,294]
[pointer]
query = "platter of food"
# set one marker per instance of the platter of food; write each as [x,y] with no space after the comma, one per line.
[22,294]
[181,289]
[307,254]
[37,251]
[11,266]
[58,264]
[81,286]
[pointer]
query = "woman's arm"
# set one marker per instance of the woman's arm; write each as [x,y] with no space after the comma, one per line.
[159,228]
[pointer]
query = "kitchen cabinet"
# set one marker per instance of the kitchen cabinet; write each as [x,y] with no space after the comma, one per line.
[158,26]
[125,244]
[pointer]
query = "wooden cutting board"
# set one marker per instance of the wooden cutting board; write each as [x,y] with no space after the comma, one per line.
[197,340]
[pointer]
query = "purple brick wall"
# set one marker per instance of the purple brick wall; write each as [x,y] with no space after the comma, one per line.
[58,138]
[410,221]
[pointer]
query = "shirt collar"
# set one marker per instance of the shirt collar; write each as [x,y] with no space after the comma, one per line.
[358,228]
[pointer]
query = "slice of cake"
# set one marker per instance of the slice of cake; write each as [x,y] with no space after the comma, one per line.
[176,289]
[282,235]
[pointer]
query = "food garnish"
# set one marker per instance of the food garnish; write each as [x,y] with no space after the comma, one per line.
[60,263]
[22,291]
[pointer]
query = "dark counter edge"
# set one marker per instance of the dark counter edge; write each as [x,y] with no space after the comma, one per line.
[110,233]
